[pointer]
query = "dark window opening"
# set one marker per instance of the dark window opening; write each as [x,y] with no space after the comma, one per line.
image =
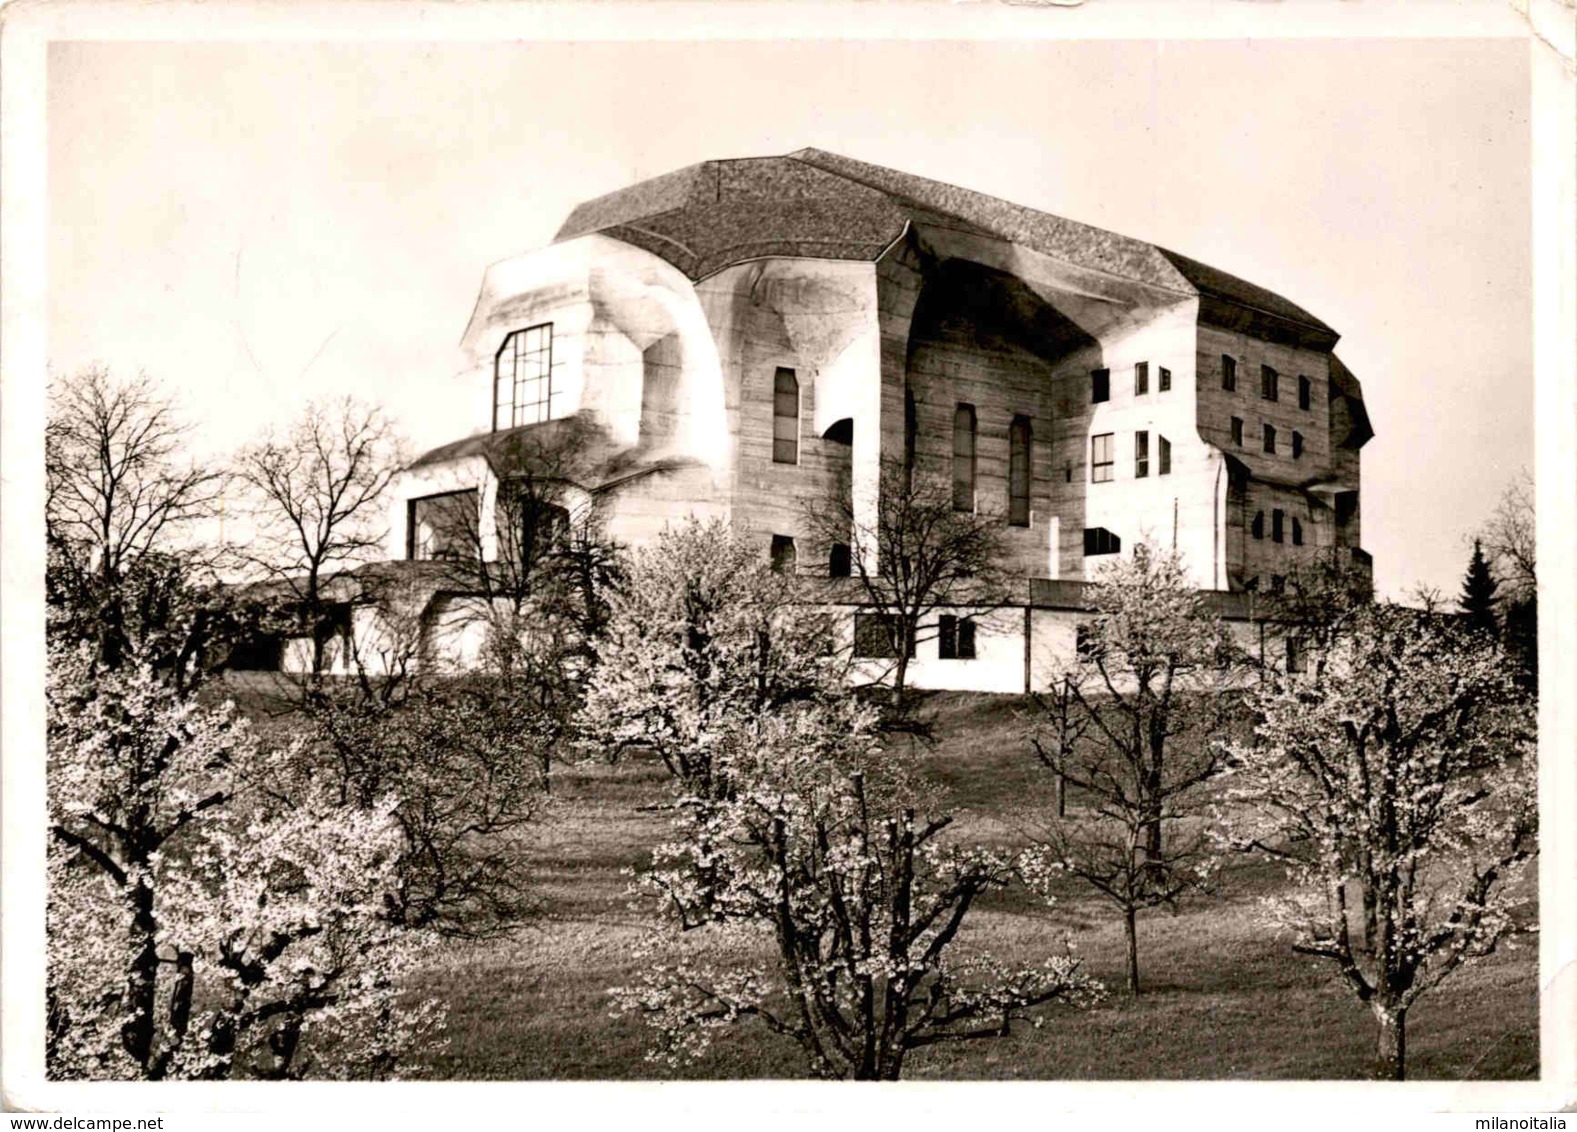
[785,417]
[1141,378]
[1258,526]
[1237,431]
[523,390]
[1099,540]
[1101,458]
[1297,445]
[1164,456]
[1164,383]
[955,638]
[1141,454]
[442,526]
[1297,655]
[1305,392]
[964,458]
[1269,383]
[1270,439]
[1278,583]
[840,432]
[840,562]
[783,554]
[1277,519]
[1019,437]
[1229,373]
[876,636]
[1297,532]
[1100,386]
[538,529]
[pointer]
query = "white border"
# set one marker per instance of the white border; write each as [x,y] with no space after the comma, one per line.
[27,27]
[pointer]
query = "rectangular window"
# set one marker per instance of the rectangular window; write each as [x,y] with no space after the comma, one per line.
[876,636]
[964,458]
[1018,472]
[523,390]
[1164,456]
[1100,386]
[840,562]
[1297,656]
[1297,445]
[1278,583]
[1258,526]
[1305,392]
[1237,431]
[1270,439]
[1229,373]
[1269,383]
[785,417]
[955,638]
[1277,519]
[1099,540]
[442,526]
[1164,383]
[1141,454]
[1297,532]
[1101,458]
[783,554]
[1141,378]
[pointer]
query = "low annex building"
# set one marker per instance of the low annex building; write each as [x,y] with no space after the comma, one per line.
[741,337]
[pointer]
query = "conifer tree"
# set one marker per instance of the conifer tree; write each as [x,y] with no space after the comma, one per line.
[1478,593]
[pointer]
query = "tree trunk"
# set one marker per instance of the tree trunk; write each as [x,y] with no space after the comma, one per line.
[1391,1056]
[142,980]
[1131,932]
[1062,796]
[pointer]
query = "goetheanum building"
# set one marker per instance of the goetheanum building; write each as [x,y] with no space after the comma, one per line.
[741,337]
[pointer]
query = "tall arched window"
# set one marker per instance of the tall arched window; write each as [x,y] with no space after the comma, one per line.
[523,390]
[785,417]
[1018,472]
[964,457]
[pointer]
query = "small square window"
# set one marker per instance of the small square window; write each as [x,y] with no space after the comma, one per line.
[1270,439]
[1164,456]
[1141,454]
[1141,378]
[1305,392]
[1229,373]
[1269,383]
[1237,431]
[1100,386]
[1297,445]
[1164,382]
[1101,458]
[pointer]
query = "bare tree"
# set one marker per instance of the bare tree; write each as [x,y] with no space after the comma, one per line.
[1131,728]
[125,523]
[920,555]
[319,490]
[1509,539]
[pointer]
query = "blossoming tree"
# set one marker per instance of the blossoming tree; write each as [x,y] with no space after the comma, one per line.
[1397,785]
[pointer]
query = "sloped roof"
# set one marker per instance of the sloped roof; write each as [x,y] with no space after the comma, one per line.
[569,448]
[706,217]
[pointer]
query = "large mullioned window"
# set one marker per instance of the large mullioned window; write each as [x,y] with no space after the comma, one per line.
[523,390]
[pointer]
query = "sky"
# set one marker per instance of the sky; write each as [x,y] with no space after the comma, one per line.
[257,225]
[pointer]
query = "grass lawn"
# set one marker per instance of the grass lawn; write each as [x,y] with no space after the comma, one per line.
[1222,1000]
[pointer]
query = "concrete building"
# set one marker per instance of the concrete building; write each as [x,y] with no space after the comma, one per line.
[740,338]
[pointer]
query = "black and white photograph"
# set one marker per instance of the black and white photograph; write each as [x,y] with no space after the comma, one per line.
[906,552]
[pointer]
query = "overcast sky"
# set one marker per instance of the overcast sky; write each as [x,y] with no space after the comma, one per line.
[256,225]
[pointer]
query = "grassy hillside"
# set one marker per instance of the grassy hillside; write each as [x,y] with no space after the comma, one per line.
[1224,999]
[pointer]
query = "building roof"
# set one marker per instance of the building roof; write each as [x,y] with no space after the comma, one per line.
[706,217]
[573,449]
